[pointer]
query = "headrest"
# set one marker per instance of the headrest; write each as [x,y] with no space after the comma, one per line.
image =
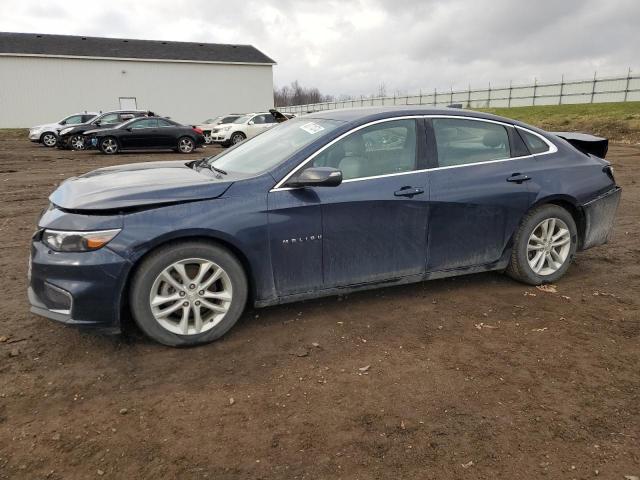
[493,139]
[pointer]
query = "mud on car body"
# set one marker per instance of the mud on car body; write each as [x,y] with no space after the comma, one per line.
[324,204]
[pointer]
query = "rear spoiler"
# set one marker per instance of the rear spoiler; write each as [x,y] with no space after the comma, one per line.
[589,144]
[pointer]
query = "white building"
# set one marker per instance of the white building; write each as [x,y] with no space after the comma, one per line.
[45,77]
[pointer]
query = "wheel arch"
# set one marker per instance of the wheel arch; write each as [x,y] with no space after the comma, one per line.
[46,132]
[181,237]
[571,205]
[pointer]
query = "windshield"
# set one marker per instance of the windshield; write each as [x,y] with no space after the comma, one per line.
[243,119]
[210,120]
[273,146]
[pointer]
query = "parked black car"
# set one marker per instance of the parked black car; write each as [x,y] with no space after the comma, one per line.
[146,133]
[73,137]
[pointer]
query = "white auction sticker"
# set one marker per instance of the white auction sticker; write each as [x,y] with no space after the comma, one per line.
[312,127]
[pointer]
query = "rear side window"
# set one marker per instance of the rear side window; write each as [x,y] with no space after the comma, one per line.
[146,123]
[534,143]
[165,123]
[463,141]
[110,119]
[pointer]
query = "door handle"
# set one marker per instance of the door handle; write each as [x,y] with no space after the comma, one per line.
[518,178]
[408,192]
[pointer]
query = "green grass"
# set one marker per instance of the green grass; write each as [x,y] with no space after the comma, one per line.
[618,122]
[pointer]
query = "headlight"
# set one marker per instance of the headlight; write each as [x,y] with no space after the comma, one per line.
[64,131]
[224,129]
[77,241]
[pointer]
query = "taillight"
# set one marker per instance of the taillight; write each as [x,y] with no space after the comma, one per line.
[197,130]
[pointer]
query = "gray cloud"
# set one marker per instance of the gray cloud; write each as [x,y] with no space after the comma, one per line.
[352,47]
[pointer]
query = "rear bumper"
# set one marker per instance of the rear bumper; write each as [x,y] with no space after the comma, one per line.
[599,216]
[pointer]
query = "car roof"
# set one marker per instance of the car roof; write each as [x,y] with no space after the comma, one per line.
[364,114]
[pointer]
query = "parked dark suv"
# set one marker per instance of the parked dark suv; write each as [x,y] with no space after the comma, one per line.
[73,137]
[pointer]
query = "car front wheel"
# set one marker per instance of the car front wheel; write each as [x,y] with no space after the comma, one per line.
[109,146]
[188,294]
[237,138]
[49,139]
[544,245]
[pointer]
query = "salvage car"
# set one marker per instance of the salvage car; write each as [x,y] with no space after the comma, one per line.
[246,126]
[73,136]
[325,204]
[48,134]
[211,123]
[146,133]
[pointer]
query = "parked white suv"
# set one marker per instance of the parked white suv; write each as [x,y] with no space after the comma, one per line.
[211,123]
[244,127]
[48,134]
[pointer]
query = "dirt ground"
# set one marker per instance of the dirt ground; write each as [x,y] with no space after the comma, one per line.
[476,377]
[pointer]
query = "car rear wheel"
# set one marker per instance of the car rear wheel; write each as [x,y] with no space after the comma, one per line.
[237,137]
[544,245]
[49,139]
[186,145]
[188,294]
[109,146]
[77,142]
[208,138]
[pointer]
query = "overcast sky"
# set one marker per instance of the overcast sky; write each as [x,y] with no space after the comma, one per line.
[351,47]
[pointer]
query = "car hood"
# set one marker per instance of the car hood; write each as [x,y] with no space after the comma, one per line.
[46,125]
[138,184]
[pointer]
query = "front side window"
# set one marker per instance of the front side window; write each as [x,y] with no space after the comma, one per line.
[274,146]
[380,149]
[73,120]
[462,141]
[87,118]
[534,143]
[230,119]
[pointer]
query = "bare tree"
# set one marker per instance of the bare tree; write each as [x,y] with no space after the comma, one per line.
[296,94]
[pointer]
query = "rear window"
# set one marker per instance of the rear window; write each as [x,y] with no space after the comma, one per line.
[534,143]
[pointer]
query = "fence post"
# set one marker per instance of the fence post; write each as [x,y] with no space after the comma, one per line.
[626,89]
[510,88]
[469,97]
[561,89]
[489,96]
[451,95]
[420,101]
[535,88]
[435,97]
[593,86]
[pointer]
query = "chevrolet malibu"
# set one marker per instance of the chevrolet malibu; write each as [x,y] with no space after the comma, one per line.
[324,204]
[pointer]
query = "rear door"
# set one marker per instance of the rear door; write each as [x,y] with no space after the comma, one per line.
[478,193]
[374,225]
[168,133]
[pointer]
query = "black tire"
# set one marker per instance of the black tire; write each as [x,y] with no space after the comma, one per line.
[237,137]
[153,266]
[109,145]
[77,142]
[519,267]
[186,145]
[49,139]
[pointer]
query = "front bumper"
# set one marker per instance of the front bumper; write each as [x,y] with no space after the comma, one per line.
[220,137]
[82,289]
[599,216]
[34,135]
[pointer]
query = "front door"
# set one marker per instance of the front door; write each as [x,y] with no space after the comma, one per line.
[478,193]
[141,133]
[374,224]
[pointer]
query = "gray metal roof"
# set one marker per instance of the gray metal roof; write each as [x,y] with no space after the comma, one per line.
[77,46]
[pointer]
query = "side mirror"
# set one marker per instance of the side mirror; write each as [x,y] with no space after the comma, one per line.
[97,123]
[129,129]
[317,177]
[251,122]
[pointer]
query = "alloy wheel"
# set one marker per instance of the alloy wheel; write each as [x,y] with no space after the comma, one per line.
[190,296]
[185,145]
[548,246]
[77,142]
[49,139]
[109,146]
[237,138]
[208,138]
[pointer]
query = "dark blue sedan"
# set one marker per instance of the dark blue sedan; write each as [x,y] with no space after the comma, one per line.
[324,204]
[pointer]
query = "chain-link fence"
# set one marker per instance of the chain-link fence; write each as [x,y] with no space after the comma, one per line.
[595,90]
